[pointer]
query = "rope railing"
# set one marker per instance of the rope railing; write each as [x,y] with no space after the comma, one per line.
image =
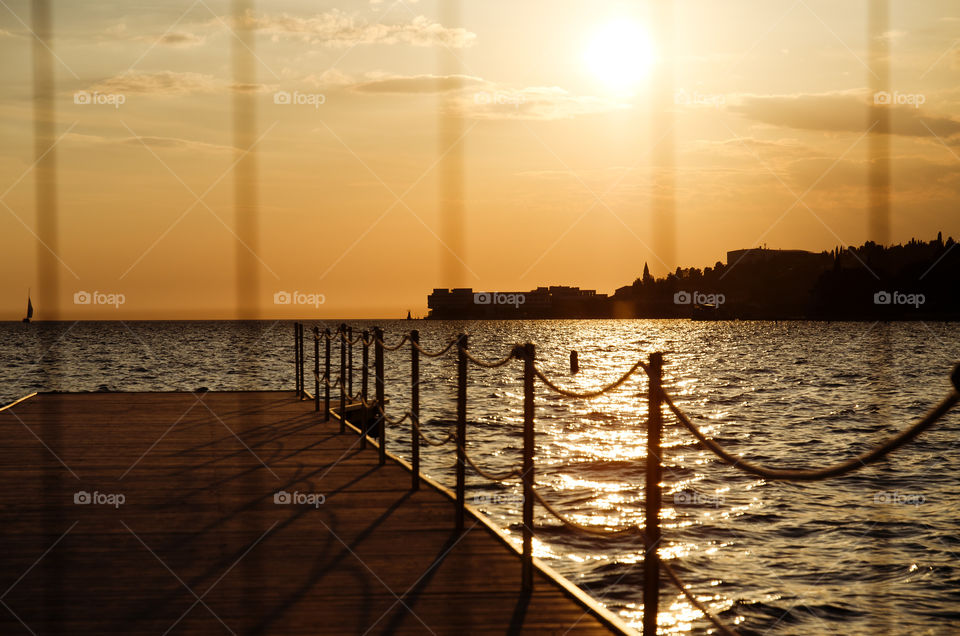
[494,363]
[497,477]
[590,394]
[695,601]
[389,420]
[842,468]
[326,381]
[395,347]
[423,436]
[435,354]
[657,398]
[579,527]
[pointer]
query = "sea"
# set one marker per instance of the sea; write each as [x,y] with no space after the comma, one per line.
[873,552]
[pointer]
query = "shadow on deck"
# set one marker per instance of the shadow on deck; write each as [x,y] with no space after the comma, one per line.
[199,545]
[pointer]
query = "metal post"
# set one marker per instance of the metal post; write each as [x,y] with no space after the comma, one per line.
[651,561]
[296,355]
[378,383]
[343,378]
[461,427]
[303,385]
[350,363]
[529,356]
[414,409]
[364,395]
[316,368]
[326,376]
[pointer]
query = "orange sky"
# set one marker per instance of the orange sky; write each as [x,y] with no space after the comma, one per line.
[770,107]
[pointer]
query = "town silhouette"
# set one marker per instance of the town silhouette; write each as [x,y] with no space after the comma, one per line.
[912,281]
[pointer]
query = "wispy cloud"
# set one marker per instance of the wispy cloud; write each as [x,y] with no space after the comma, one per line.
[418,84]
[338,29]
[181,39]
[169,83]
[175,39]
[164,143]
[534,102]
[845,111]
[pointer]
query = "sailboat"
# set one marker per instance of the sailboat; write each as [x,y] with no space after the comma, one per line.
[29,309]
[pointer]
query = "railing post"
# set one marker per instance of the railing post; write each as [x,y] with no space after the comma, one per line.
[378,383]
[316,368]
[350,362]
[296,355]
[461,428]
[529,356]
[303,384]
[414,408]
[343,377]
[364,395]
[651,561]
[326,376]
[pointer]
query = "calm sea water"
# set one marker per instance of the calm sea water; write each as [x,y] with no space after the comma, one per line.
[876,552]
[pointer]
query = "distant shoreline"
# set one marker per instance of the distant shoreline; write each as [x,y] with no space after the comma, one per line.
[486,319]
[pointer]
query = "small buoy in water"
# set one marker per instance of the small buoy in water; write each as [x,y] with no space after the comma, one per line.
[574,362]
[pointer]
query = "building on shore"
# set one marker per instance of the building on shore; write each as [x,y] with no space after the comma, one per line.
[558,301]
[911,281]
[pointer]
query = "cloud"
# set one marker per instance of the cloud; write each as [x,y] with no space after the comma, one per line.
[173,143]
[846,111]
[170,143]
[170,83]
[176,39]
[337,29]
[477,98]
[752,147]
[180,39]
[535,102]
[163,82]
[418,84]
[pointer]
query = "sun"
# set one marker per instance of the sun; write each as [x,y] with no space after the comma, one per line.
[619,54]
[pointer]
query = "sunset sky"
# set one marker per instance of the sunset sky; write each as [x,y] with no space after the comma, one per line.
[770,104]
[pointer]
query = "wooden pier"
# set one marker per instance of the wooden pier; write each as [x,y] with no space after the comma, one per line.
[202,543]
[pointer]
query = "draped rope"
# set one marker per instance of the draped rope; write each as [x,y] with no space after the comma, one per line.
[492,364]
[450,436]
[591,394]
[396,346]
[694,600]
[850,465]
[594,530]
[500,478]
[435,354]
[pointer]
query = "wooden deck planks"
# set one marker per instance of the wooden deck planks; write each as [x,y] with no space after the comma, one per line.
[199,521]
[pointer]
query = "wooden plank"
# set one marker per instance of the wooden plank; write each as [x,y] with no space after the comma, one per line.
[198,475]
